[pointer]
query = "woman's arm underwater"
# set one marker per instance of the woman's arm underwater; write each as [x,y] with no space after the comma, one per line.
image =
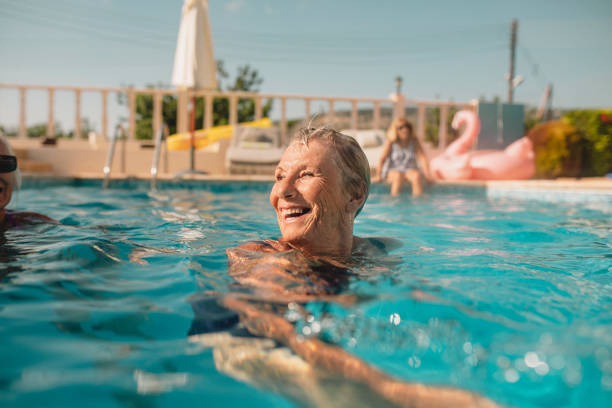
[337,361]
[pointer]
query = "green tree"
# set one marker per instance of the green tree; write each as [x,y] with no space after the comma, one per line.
[39,130]
[86,127]
[531,119]
[36,131]
[247,80]
[432,125]
[596,127]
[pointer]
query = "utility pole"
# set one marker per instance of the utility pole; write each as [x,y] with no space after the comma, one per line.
[398,98]
[544,111]
[512,57]
[398,85]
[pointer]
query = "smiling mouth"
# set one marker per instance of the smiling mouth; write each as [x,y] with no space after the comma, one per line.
[290,214]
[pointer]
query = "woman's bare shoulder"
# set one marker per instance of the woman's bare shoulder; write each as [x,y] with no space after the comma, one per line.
[17,218]
[254,250]
[267,245]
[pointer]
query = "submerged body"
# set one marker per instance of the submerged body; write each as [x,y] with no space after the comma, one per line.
[277,281]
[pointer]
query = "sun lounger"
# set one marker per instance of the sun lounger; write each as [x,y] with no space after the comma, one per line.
[254,150]
[371,141]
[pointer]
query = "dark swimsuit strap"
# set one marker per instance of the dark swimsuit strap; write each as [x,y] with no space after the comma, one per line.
[9,219]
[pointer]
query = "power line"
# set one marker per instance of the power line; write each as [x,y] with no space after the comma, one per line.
[55,17]
[362,63]
[94,8]
[37,21]
[357,43]
[316,36]
[313,52]
[383,47]
[536,69]
[247,49]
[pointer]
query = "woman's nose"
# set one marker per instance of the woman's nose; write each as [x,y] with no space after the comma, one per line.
[287,189]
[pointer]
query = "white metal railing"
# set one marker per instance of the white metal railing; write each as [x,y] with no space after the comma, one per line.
[119,133]
[163,132]
[233,97]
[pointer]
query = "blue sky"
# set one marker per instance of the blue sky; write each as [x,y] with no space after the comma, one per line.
[442,49]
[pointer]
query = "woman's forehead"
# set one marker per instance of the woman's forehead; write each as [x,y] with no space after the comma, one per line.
[314,153]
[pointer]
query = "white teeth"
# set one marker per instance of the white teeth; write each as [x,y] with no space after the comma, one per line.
[291,211]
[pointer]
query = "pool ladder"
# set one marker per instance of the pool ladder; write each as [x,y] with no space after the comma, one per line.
[119,133]
[162,134]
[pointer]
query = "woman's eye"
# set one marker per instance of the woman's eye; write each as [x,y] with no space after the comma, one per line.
[278,177]
[307,174]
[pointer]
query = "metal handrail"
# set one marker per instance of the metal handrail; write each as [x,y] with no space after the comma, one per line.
[119,131]
[162,133]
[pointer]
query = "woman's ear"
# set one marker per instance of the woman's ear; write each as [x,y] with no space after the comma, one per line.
[356,200]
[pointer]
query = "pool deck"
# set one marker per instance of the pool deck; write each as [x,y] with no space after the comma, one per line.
[79,160]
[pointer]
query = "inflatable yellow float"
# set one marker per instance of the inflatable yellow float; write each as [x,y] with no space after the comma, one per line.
[204,137]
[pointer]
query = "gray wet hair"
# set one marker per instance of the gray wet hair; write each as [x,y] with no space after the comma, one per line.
[15,175]
[352,160]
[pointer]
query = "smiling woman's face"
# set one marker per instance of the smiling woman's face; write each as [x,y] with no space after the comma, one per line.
[309,197]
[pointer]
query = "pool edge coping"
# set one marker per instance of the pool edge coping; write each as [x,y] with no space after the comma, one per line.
[595,184]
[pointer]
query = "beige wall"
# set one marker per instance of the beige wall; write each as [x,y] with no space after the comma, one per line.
[70,158]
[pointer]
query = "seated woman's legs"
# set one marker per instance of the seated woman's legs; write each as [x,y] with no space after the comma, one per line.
[416,180]
[396,179]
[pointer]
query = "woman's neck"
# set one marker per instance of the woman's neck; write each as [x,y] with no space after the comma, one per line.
[338,246]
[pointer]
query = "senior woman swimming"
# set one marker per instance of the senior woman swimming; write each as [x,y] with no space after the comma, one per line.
[321,184]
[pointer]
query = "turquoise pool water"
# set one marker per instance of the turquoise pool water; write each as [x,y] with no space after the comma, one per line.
[506,297]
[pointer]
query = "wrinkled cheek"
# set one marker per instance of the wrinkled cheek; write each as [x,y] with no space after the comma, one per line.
[332,213]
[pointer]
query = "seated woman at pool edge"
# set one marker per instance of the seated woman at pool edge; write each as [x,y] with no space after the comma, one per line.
[399,161]
[9,180]
[322,183]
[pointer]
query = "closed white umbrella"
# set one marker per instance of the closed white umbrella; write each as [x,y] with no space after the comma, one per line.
[194,59]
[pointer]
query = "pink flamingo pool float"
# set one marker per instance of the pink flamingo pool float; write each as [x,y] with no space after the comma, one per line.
[515,162]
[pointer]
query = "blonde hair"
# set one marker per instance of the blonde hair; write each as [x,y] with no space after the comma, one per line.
[353,161]
[392,131]
[15,175]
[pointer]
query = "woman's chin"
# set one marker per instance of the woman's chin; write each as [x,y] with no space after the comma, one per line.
[294,236]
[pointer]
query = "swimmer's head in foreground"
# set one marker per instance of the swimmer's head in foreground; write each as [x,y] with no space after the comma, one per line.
[9,175]
[321,184]
[10,179]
